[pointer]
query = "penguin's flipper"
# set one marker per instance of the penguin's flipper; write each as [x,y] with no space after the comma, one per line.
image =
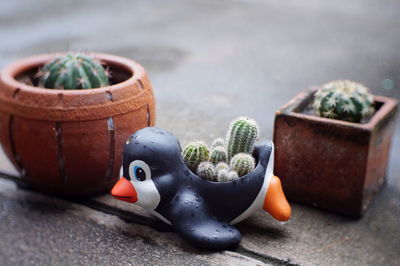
[208,233]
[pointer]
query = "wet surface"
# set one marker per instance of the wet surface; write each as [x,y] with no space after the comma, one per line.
[209,62]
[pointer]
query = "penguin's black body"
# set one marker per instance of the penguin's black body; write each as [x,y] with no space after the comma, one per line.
[200,211]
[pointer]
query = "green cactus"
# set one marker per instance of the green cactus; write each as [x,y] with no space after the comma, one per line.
[241,136]
[344,100]
[218,154]
[218,142]
[242,163]
[194,153]
[73,72]
[220,166]
[207,171]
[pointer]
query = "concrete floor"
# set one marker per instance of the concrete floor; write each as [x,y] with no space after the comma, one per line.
[226,57]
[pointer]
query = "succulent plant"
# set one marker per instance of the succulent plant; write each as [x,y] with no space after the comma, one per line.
[218,154]
[194,153]
[73,71]
[225,175]
[220,166]
[241,136]
[344,100]
[218,142]
[222,175]
[207,171]
[232,175]
[242,163]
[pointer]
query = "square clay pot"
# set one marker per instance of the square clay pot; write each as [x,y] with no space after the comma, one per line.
[332,164]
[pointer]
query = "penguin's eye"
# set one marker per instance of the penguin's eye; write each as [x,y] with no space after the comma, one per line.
[139,171]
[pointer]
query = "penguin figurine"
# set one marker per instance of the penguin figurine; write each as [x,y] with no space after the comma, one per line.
[202,212]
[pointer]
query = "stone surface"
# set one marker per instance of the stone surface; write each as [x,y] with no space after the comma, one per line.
[209,62]
[39,230]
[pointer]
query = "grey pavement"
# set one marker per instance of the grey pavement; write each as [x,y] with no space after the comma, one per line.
[209,61]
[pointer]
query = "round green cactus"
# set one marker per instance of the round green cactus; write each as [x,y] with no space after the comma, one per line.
[73,72]
[194,153]
[207,171]
[218,154]
[343,100]
[218,142]
[242,163]
[241,136]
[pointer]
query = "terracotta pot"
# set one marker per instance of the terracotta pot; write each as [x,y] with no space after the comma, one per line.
[69,142]
[332,164]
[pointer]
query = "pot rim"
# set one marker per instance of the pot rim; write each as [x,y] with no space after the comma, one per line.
[388,105]
[9,72]
[18,98]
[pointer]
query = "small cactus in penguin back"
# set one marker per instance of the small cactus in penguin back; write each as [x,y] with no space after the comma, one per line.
[221,166]
[73,71]
[206,170]
[219,142]
[194,153]
[343,100]
[225,175]
[218,154]
[242,163]
[241,136]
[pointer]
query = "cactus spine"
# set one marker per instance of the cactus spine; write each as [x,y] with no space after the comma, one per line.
[218,154]
[73,72]
[206,170]
[242,163]
[241,136]
[344,100]
[232,175]
[225,175]
[195,153]
[221,166]
[222,175]
[218,142]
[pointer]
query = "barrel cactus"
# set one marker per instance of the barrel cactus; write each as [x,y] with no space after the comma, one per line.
[218,154]
[344,100]
[225,175]
[218,142]
[241,136]
[207,171]
[221,166]
[242,163]
[222,175]
[232,175]
[195,153]
[73,71]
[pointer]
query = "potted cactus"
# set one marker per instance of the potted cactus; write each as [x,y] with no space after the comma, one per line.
[64,118]
[228,159]
[196,191]
[332,145]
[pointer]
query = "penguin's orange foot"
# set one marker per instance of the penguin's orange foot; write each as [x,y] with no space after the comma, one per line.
[275,201]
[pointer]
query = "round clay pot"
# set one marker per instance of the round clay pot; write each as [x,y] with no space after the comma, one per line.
[69,142]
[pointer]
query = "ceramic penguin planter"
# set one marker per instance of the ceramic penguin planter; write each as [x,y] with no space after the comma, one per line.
[202,212]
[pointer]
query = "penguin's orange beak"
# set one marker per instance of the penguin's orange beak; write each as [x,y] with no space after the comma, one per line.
[124,190]
[275,201]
